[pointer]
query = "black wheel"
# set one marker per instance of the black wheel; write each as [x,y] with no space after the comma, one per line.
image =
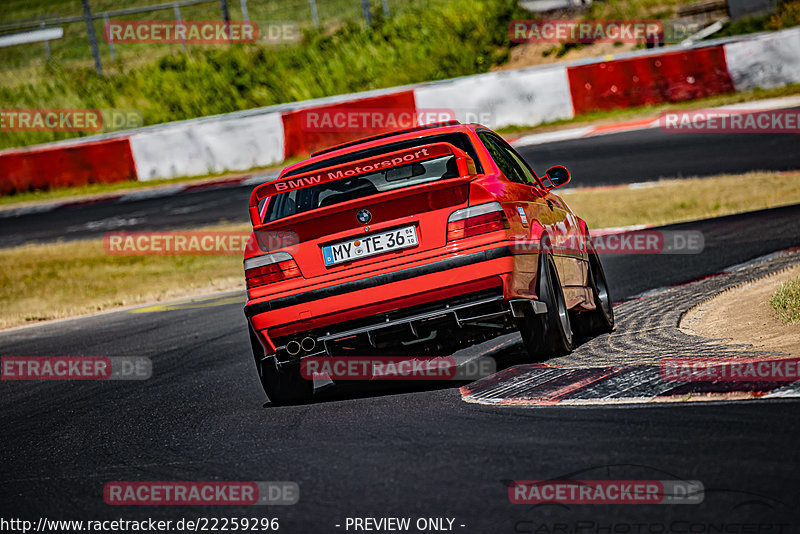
[601,319]
[283,383]
[548,334]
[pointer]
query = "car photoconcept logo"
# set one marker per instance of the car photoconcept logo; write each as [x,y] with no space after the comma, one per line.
[364,216]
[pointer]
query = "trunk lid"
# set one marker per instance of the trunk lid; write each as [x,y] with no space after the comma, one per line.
[353,208]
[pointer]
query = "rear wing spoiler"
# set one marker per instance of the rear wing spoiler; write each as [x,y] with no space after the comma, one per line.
[464,163]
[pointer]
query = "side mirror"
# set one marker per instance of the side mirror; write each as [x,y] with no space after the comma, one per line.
[555,177]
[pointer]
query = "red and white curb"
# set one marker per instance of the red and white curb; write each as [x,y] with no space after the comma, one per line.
[644,124]
[544,385]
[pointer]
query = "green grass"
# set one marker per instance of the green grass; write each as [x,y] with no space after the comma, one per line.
[51,281]
[633,9]
[672,201]
[437,41]
[73,48]
[787,16]
[786,301]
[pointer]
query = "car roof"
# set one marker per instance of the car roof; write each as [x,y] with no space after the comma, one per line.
[383,139]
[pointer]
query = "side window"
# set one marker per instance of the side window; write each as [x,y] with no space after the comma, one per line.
[503,159]
[518,161]
[523,167]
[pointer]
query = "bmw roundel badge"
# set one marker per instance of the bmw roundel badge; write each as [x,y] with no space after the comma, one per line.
[364,216]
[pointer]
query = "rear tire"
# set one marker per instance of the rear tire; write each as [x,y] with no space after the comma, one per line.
[284,384]
[548,334]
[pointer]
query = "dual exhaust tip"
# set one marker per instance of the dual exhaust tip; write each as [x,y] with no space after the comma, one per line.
[306,344]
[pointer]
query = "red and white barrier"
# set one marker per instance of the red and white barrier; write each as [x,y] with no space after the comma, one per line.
[266,136]
[769,61]
[192,148]
[66,165]
[304,132]
[503,98]
[648,80]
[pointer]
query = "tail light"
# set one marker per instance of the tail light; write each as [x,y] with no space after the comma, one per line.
[476,220]
[269,268]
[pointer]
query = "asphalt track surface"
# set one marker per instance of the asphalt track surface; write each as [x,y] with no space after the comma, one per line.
[644,155]
[398,452]
[601,160]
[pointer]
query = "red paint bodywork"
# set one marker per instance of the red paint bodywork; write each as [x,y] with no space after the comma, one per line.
[429,209]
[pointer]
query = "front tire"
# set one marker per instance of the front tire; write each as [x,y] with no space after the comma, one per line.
[548,334]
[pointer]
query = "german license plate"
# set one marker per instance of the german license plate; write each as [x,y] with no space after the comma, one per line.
[370,245]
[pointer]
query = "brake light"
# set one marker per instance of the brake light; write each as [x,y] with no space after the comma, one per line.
[476,220]
[269,268]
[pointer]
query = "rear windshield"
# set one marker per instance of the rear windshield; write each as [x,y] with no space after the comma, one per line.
[336,191]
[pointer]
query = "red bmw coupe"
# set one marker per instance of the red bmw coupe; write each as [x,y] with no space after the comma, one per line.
[419,241]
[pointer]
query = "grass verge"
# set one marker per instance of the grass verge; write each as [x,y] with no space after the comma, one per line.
[47,281]
[63,279]
[786,301]
[671,201]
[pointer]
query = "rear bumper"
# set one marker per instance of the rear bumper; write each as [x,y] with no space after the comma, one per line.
[415,325]
[378,280]
[325,311]
[461,314]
